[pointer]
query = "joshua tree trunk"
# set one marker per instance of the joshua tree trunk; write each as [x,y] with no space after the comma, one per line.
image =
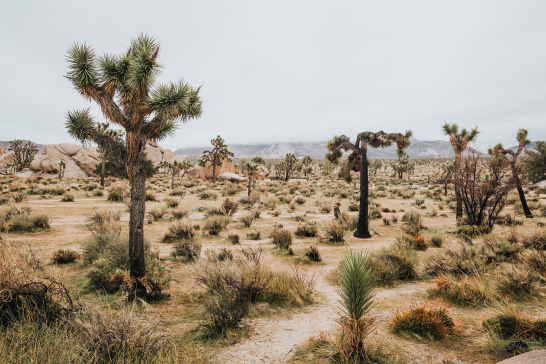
[287,177]
[446,178]
[172,180]
[526,209]
[249,182]
[362,230]
[459,211]
[103,168]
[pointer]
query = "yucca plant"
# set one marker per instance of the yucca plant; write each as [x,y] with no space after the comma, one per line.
[125,89]
[356,283]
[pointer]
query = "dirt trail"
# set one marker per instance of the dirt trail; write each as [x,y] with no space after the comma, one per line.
[274,339]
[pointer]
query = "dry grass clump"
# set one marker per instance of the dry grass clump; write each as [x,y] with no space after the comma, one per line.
[215,224]
[496,251]
[536,261]
[430,320]
[307,229]
[25,292]
[313,253]
[395,263]
[247,220]
[236,281]
[180,214]
[464,291]
[65,256]
[187,248]
[335,232]
[157,213]
[105,221]
[282,238]
[171,202]
[180,230]
[118,192]
[462,260]
[536,240]
[519,283]
[229,207]
[511,323]
[180,192]
[255,235]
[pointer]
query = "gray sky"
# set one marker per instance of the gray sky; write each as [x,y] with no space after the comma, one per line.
[294,70]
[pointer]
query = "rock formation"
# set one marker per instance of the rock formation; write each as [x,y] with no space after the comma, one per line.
[261,173]
[226,167]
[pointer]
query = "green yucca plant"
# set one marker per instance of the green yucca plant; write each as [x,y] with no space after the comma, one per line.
[356,283]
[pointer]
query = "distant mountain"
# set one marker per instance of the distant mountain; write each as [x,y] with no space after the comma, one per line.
[317,150]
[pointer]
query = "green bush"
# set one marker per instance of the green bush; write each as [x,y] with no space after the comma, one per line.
[395,263]
[428,320]
[63,256]
[281,238]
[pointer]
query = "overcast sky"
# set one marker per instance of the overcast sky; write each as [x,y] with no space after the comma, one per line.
[293,70]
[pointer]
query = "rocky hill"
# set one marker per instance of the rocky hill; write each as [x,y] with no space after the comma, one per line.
[418,149]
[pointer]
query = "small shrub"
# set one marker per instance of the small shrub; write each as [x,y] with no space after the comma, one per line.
[215,224]
[536,240]
[171,202]
[313,253]
[308,229]
[335,232]
[427,320]
[151,196]
[157,213]
[518,283]
[187,248]
[281,238]
[511,323]
[180,214]
[63,256]
[181,230]
[28,223]
[180,192]
[233,238]
[67,197]
[437,241]
[118,192]
[255,235]
[230,207]
[395,263]
[247,220]
[300,200]
[464,291]
[375,213]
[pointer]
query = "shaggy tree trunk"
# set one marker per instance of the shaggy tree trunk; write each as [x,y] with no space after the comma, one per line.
[287,177]
[249,182]
[459,211]
[526,209]
[362,230]
[103,168]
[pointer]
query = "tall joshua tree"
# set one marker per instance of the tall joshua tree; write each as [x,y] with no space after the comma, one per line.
[215,156]
[290,161]
[124,87]
[23,154]
[358,161]
[251,168]
[498,150]
[459,142]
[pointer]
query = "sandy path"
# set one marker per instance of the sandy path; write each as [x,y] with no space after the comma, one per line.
[274,339]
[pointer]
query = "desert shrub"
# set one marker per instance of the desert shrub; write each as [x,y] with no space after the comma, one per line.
[109,247]
[535,260]
[208,195]
[350,222]
[462,260]
[25,292]
[171,202]
[28,223]
[234,238]
[103,276]
[64,256]
[223,311]
[353,206]
[473,231]
[230,189]
[300,200]
[180,230]
[120,337]
[511,323]
[117,192]
[428,320]
[375,213]
[395,263]
[325,209]
[308,229]
[518,283]
[180,214]
[437,241]
[181,192]
[247,220]
[335,232]
[270,202]
[290,288]
[536,240]
[215,224]
[157,213]
[230,207]
[187,248]
[52,190]
[386,221]
[415,241]
[256,211]
[414,219]
[464,291]
[282,238]
[500,251]
[67,197]
[255,235]
[313,253]
[105,221]
[215,211]
[151,196]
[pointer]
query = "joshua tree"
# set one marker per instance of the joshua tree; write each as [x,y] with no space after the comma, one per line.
[459,141]
[448,171]
[251,168]
[307,170]
[215,156]
[290,161]
[356,284]
[307,160]
[62,166]
[124,88]
[280,167]
[258,160]
[499,150]
[358,161]
[535,163]
[23,155]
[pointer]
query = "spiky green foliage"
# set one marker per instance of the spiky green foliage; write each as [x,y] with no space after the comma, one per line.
[23,154]
[216,155]
[290,161]
[535,163]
